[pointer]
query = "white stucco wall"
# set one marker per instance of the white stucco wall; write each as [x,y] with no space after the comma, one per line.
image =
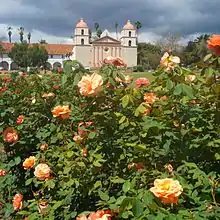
[84,55]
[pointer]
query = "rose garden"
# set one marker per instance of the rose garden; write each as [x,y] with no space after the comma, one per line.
[102,145]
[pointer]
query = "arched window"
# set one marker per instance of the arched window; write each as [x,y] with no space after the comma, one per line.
[82,41]
[82,32]
[129,33]
[129,43]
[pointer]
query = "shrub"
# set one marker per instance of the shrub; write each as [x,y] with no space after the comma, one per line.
[139,68]
[132,153]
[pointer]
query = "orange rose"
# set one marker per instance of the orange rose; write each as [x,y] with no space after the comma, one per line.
[61,111]
[142,82]
[29,163]
[42,171]
[150,97]
[20,119]
[17,202]
[10,135]
[214,44]
[90,85]
[169,61]
[2,172]
[167,190]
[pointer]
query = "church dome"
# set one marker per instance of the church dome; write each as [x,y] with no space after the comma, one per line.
[81,24]
[128,26]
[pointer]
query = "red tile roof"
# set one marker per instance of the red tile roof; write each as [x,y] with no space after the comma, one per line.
[56,49]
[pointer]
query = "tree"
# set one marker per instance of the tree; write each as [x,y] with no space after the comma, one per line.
[98,30]
[19,54]
[3,38]
[38,56]
[116,30]
[9,33]
[42,41]
[25,55]
[2,51]
[138,26]
[29,37]
[21,33]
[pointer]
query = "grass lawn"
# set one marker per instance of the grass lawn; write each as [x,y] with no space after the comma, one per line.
[147,75]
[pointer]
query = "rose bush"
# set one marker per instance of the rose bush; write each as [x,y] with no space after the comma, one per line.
[111,149]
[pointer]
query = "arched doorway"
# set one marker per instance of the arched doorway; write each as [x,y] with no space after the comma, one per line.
[56,65]
[48,66]
[5,65]
[14,66]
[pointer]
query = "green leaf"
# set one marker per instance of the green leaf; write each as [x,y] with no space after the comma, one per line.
[126,186]
[207,57]
[92,135]
[187,90]
[125,101]
[17,160]
[64,79]
[103,196]
[178,89]
[122,119]
[169,84]
[28,182]
[97,164]
[70,154]
[137,207]
[57,205]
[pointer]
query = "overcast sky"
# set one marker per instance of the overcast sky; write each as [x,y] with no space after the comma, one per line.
[54,20]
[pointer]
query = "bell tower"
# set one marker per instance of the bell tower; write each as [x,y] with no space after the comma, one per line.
[129,43]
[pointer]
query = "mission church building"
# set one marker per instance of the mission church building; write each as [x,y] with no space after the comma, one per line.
[89,53]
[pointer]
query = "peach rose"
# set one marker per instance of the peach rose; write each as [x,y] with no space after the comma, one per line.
[43,147]
[190,78]
[17,202]
[2,172]
[167,190]
[47,95]
[29,163]
[169,61]
[142,82]
[214,44]
[99,215]
[20,119]
[61,111]
[42,171]
[78,139]
[116,61]
[10,135]
[170,168]
[42,206]
[150,97]
[82,217]
[90,85]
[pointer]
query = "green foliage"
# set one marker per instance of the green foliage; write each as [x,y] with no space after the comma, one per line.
[123,150]
[72,66]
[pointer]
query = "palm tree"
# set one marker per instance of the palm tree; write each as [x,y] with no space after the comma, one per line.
[9,33]
[98,30]
[29,37]
[138,26]
[21,33]
[116,29]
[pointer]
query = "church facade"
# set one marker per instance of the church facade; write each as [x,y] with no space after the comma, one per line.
[90,53]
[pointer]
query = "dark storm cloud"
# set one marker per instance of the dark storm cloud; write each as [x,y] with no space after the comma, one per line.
[58,17]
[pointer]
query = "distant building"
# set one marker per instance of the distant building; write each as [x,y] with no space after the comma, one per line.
[90,54]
